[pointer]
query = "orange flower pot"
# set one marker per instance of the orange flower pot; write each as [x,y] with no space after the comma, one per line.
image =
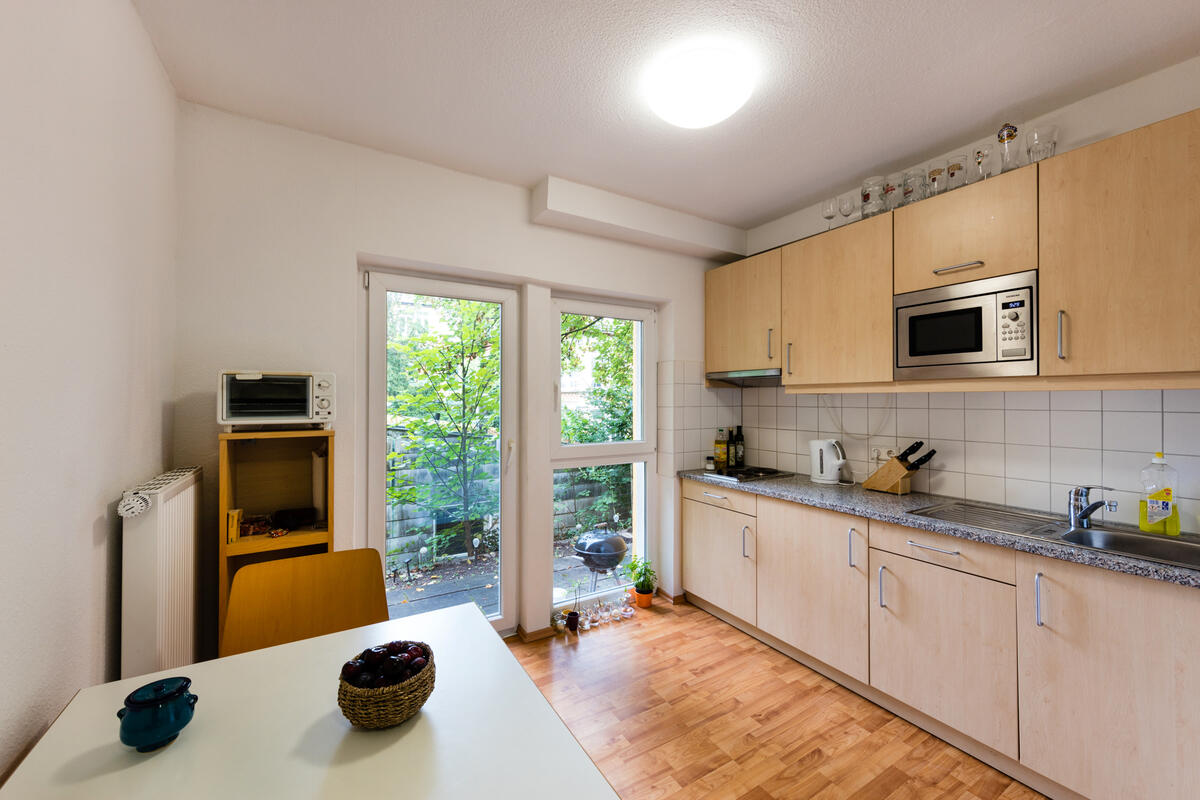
[643,599]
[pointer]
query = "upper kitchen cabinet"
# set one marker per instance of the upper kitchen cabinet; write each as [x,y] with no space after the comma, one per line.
[741,314]
[1120,248]
[837,305]
[979,231]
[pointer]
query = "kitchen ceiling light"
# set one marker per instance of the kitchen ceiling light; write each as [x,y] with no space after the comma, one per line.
[699,83]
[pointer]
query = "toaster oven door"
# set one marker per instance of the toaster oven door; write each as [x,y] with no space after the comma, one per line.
[961,331]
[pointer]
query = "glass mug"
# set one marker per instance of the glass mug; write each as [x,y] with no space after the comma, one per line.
[976,171]
[956,171]
[893,191]
[937,178]
[914,187]
[1039,142]
[872,196]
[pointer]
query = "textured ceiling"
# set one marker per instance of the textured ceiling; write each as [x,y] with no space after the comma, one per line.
[518,89]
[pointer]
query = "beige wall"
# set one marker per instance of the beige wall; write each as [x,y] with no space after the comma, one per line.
[273,225]
[87,223]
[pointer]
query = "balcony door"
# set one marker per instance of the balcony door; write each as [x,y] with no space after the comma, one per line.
[443,437]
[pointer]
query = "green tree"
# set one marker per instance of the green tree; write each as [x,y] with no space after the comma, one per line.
[449,402]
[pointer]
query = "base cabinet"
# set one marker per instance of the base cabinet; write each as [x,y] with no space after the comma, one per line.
[945,643]
[1110,680]
[812,582]
[719,558]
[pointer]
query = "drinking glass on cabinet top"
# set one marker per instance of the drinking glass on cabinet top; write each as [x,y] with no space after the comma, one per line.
[976,170]
[872,196]
[956,171]
[829,211]
[937,177]
[893,191]
[846,206]
[1040,141]
[914,186]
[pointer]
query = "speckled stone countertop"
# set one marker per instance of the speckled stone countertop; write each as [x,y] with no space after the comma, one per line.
[891,508]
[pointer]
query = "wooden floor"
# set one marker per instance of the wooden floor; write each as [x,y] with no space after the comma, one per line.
[677,704]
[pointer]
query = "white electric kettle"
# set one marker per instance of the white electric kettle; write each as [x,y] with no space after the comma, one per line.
[828,458]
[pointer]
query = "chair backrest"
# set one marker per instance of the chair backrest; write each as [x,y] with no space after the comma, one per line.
[274,602]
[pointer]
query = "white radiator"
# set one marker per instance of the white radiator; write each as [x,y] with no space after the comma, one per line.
[159,527]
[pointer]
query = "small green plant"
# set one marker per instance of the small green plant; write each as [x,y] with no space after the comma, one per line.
[642,574]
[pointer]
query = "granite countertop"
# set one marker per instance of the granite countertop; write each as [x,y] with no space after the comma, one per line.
[892,508]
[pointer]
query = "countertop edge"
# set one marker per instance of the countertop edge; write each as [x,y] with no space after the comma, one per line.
[894,509]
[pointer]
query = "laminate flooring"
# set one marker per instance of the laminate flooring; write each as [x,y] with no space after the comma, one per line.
[678,704]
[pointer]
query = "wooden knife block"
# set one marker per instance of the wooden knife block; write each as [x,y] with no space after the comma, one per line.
[893,477]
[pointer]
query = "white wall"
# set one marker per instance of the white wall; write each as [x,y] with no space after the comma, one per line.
[273,224]
[86,247]
[1157,96]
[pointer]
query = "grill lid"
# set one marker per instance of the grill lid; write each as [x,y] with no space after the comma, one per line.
[600,542]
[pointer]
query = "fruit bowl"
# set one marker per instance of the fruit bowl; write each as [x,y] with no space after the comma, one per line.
[387,684]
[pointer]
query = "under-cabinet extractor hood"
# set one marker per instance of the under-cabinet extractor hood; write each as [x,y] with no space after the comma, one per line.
[748,377]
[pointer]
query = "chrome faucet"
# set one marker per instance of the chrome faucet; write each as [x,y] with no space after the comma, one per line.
[1079,510]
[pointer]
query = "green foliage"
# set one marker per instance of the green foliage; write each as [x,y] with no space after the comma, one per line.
[447,397]
[613,505]
[642,574]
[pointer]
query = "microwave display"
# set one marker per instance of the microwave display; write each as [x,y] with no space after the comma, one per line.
[1013,304]
[268,396]
[944,332]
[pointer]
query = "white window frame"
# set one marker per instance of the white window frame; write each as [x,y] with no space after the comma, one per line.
[380,283]
[644,449]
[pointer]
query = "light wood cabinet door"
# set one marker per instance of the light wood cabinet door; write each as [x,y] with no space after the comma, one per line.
[837,305]
[945,643]
[1110,681]
[1120,253]
[719,558]
[812,582]
[994,222]
[741,314]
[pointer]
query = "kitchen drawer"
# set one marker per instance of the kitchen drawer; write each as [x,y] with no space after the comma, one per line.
[985,560]
[719,496]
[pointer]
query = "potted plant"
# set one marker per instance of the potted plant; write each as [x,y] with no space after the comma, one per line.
[573,614]
[643,576]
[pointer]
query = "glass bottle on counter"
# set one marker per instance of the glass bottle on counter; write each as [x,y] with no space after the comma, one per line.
[739,448]
[721,450]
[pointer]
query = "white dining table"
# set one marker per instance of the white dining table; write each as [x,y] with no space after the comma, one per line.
[267,725]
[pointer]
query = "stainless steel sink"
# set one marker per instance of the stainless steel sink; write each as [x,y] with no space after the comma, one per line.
[1183,552]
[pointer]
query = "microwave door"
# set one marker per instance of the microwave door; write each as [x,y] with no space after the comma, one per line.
[961,331]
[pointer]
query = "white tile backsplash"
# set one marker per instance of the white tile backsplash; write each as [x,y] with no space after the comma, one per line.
[1024,449]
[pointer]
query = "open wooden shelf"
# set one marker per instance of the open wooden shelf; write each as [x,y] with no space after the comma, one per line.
[264,544]
[262,472]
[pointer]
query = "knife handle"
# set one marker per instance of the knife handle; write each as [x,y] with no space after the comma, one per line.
[922,460]
[914,447]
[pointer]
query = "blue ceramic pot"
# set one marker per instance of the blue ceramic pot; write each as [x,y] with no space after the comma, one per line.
[154,714]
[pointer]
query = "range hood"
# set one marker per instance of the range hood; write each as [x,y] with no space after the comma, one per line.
[748,377]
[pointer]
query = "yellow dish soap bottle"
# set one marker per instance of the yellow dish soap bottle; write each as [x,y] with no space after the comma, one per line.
[1158,512]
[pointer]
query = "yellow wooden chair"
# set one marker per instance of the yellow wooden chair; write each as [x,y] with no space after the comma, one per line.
[288,599]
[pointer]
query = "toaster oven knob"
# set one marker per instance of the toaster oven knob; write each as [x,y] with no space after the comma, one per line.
[323,403]
[322,384]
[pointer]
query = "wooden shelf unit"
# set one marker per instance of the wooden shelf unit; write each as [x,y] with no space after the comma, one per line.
[262,472]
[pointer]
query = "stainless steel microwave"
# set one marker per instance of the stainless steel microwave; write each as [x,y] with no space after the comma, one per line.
[978,329]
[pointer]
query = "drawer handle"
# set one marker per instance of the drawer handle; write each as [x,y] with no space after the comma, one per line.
[850,546]
[714,496]
[964,265]
[769,332]
[1061,353]
[789,358]
[881,603]
[1037,599]
[745,528]
[911,543]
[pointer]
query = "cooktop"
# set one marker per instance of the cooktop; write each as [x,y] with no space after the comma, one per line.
[743,474]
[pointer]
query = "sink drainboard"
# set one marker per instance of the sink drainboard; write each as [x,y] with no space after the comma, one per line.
[991,519]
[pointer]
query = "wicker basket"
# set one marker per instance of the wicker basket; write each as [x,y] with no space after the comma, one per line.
[389,705]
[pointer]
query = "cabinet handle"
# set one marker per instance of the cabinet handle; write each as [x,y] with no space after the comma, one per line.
[745,528]
[850,546]
[1037,599]
[911,543]
[769,332]
[1061,314]
[789,358]
[964,265]
[714,496]
[881,571]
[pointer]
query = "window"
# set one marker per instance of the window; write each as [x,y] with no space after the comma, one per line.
[606,435]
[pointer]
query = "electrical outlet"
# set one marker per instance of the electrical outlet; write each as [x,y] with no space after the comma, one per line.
[891,452]
[875,454]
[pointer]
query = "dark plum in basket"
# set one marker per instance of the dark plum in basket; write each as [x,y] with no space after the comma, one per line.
[385,665]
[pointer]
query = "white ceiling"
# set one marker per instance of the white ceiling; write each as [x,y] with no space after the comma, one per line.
[519,89]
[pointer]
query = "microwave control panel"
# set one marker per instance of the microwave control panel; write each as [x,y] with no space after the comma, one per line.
[1014,325]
